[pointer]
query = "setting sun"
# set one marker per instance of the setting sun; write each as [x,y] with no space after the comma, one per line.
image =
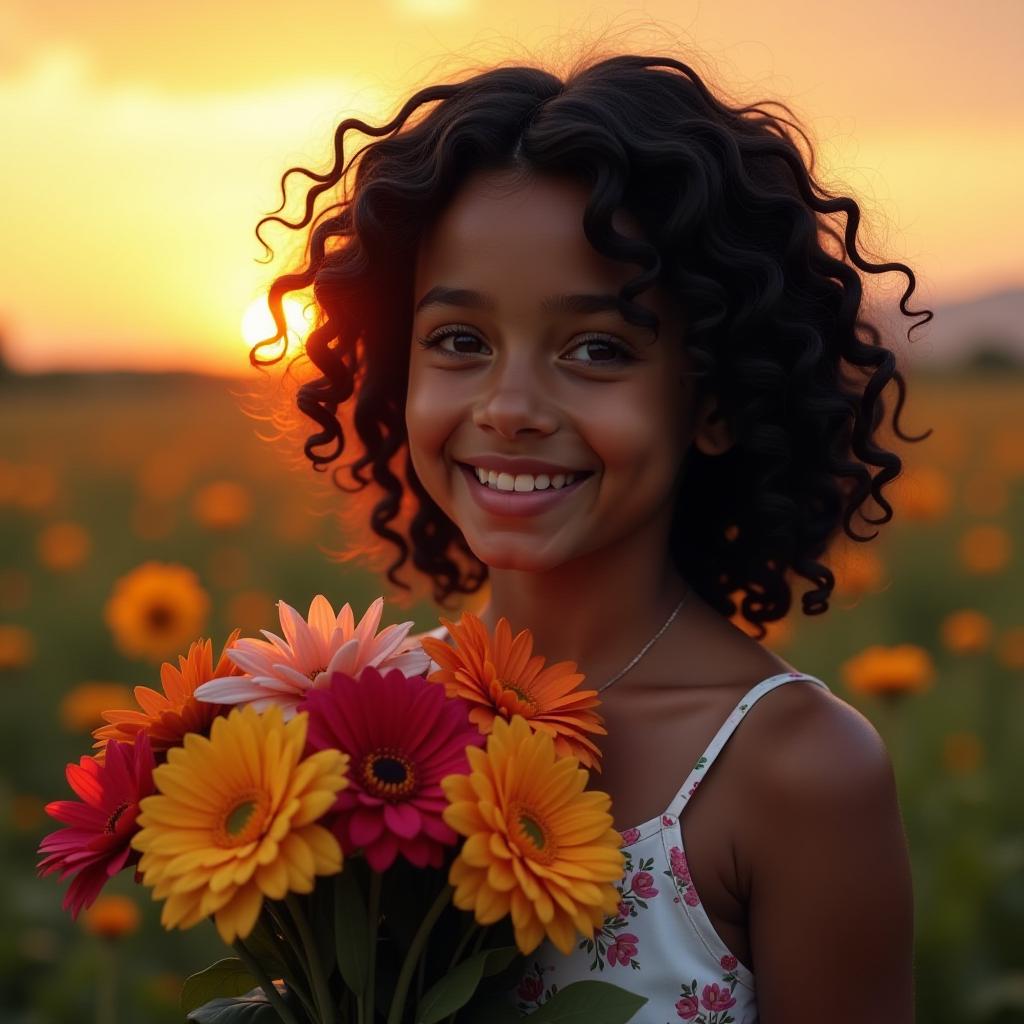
[258,323]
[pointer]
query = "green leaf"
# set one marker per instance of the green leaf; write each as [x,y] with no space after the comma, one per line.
[456,988]
[589,1002]
[351,931]
[250,1009]
[227,977]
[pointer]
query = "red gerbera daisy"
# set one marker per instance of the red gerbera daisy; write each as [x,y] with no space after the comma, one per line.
[403,735]
[96,844]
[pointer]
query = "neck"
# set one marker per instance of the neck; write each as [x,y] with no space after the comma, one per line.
[597,610]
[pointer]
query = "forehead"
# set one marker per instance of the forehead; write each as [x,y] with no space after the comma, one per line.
[502,221]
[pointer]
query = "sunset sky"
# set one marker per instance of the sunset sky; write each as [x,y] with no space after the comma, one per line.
[140,142]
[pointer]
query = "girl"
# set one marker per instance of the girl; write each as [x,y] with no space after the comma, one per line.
[596,338]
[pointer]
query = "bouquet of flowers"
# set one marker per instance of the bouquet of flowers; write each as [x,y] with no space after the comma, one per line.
[380,826]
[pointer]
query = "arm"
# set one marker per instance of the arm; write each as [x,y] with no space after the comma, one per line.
[831,902]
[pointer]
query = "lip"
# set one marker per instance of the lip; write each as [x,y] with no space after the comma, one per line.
[516,503]
[517,464]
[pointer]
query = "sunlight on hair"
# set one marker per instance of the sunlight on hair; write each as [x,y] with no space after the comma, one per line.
[258,322]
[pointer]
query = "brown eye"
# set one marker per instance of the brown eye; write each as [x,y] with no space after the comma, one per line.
[603,351]
[460,339]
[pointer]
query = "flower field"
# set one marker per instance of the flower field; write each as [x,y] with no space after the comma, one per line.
[139,513]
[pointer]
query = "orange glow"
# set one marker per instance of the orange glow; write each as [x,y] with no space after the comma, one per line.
[141,171]
[258,324]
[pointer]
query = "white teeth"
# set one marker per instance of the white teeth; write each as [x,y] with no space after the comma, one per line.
[522,482]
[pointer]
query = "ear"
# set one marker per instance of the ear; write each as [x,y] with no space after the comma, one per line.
[711,433]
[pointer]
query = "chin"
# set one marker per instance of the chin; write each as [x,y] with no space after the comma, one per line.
[513,556]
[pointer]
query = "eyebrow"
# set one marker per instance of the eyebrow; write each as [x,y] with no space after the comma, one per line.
[580,303]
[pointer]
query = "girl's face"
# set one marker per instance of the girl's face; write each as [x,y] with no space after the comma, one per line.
[509,374]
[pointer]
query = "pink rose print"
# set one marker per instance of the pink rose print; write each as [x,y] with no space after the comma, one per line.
[643,885]
[690,897]
[630,836]
[679,866]
[716,998]
[530,989]
[667,820]
[622,949]
[728,963]
[624,908]
[687,1007]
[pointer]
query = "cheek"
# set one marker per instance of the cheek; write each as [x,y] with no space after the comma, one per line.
[639,442]
[429,422]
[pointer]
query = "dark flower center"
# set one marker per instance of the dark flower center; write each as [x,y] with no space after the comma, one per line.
[386,773]
[159,616]
[111,825]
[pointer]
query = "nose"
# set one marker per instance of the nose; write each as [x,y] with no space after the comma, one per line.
[514,399]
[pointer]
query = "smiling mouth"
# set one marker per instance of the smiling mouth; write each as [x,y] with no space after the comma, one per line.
[577,477]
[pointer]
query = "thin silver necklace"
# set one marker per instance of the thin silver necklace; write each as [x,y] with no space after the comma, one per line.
[647,646]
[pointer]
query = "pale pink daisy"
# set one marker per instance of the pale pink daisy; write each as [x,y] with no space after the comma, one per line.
[282,671]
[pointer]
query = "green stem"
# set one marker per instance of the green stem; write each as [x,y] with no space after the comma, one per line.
[321,990]
[481,935]
[470,931]
[106,984]
[415,951]
[255,968]
[290,953]
[367,1009]
[421,973]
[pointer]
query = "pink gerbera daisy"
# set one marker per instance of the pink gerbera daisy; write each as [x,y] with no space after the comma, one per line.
[283,672]
[96,844]
[403,736]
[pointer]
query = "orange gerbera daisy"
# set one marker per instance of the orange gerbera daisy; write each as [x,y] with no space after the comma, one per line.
[501,677]
[168,716]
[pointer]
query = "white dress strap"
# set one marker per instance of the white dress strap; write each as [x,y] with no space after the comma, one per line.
[721,737]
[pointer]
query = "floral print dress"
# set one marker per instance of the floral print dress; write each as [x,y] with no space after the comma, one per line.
[661,943]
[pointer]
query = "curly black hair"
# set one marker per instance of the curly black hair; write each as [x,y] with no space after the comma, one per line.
[737,228]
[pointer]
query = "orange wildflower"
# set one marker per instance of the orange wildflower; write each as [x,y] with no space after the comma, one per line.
[858,572]
[985,548]
[112,916]
[168,716]
[17,646]
[966,631]
[922,494]
[1011,648]
[500,677]
[63,546]
[82,707]
[889,671]
[156,609]
[222,505]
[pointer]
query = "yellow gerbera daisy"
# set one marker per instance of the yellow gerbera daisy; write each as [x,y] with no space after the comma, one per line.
[537,845]
[501,677]
[156,609]
[234,820]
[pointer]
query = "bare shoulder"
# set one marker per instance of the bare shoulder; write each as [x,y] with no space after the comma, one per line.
[825,856]
[806,740]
